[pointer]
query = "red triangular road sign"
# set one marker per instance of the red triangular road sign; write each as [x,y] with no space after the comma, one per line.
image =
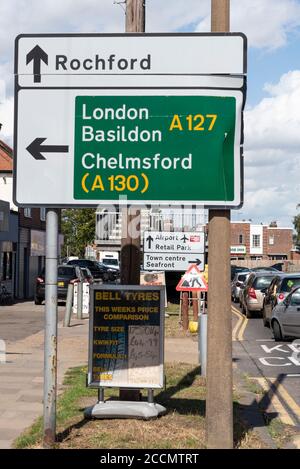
[192,280]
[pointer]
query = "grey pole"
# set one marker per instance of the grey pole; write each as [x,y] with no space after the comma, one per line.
[50,357]
[79,299]
[69,305]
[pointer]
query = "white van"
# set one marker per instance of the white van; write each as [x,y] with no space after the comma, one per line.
[110,258]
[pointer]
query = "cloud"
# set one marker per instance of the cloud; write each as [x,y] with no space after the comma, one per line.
[272,152]
[267,23]
[6,119]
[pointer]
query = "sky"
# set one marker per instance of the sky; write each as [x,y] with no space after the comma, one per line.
[272,114]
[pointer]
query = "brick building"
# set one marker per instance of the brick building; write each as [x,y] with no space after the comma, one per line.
[22,244]
[250,241]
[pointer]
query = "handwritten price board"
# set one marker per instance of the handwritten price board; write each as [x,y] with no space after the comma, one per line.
[126,336]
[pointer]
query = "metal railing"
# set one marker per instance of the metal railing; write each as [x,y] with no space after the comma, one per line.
[109,224]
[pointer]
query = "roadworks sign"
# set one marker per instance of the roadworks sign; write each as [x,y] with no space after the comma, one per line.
[192,280]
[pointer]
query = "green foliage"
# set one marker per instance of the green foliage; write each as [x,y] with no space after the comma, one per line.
[296,222]
[78,228]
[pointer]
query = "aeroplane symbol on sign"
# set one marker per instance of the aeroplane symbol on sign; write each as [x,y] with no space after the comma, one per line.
[192,280]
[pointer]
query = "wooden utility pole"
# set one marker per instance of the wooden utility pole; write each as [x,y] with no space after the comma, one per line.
[135,16]
[219,406]
[131,217]
[131,239]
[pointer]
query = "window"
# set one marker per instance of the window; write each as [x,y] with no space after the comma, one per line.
[271,240]
[42,214]
[6,266]
[241,240]
[256,241]
[295,298]
[27,212]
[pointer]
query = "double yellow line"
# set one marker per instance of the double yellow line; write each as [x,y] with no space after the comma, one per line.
[281,400]
[239,328]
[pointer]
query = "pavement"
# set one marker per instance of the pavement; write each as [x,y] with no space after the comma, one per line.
[21,376]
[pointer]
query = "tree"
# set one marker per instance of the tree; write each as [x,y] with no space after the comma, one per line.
[78,228]
[296,222]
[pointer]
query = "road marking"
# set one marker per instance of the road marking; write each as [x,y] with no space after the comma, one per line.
[291,403]
[239,329]
[274,400]
[242,329]
[264,340]
[291,375]
[237,326]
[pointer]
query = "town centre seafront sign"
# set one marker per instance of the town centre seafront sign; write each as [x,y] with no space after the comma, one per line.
[156,119]
[126,336]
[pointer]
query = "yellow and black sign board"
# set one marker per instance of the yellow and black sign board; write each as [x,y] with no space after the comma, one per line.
[126,336]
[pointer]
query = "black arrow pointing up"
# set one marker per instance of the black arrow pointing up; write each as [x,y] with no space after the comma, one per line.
[37,55]
[36,148]
[149,239]
[197,262]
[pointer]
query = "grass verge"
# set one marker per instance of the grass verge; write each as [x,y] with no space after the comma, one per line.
[182,427]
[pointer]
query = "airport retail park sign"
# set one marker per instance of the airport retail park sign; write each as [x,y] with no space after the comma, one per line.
[153,118]
[173,251]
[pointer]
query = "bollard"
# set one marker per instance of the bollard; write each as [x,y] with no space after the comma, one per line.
[185,311]
[195,301]
[69,304]
[79,299]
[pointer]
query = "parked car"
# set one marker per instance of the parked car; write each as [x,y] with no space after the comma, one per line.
[265,269]
[66,274]
[237,283]
[98,270]
[235,269]
[252,297]
[285,320]
[278,290]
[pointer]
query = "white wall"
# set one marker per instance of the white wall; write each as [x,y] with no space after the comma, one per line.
[6,191]
[256,230]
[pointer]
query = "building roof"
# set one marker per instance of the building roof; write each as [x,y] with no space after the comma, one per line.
[6,159]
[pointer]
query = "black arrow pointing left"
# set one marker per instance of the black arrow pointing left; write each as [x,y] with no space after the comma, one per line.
[37,56]
[36,149]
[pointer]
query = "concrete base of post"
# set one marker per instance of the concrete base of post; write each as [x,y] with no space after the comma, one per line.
[124,410]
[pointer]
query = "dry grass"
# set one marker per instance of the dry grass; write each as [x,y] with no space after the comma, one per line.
[173,325]
[183,427]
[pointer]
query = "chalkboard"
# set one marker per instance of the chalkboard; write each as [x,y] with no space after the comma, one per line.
[126,336]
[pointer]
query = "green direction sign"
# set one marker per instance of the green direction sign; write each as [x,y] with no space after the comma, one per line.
[158,148]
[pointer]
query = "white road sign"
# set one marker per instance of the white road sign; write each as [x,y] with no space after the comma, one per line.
[44,59]
[181,242]
[172,261]
[53,72]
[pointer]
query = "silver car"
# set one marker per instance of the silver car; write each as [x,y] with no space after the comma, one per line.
[285,320]
[238,283]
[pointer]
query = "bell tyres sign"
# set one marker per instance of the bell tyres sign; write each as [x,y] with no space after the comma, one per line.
[157,148]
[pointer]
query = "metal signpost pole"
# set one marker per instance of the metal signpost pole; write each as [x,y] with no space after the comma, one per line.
[50,357]
[219,408]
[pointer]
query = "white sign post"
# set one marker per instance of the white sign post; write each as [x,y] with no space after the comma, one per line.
[173,251]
